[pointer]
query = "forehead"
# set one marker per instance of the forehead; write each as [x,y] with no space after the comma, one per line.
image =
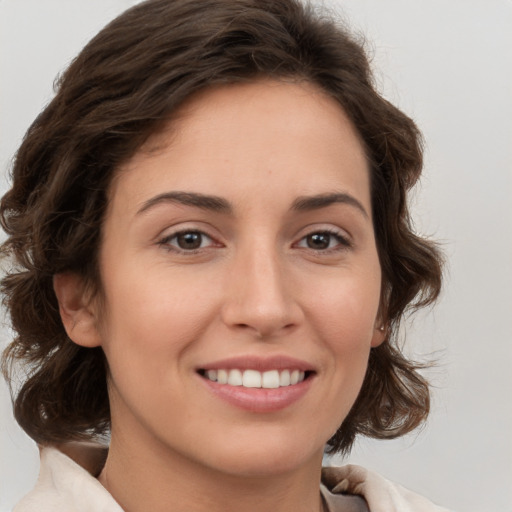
[241,139]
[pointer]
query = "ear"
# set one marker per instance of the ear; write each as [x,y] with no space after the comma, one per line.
[380,333]
[76,309]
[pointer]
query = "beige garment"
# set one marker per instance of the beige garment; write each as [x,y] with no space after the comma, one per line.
[67,483]
[342,502]
[380,494]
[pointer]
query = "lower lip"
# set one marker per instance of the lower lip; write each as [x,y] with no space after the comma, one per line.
[260,399]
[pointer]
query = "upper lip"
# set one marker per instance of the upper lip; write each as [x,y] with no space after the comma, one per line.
[260,363]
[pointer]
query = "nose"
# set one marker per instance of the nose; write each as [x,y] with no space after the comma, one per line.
[259,295]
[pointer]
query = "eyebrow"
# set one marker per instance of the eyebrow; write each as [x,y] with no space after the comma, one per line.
[308,203]
[221,205]
[205,202]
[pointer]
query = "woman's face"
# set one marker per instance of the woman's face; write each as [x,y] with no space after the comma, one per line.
[239,245]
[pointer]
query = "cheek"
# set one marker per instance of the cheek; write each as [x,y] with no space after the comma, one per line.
[345,309]
[151,320]
[343,322]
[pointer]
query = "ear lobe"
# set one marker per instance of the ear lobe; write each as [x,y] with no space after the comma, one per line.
[76,310]
[380,333]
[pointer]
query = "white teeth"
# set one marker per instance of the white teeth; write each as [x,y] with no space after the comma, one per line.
[284,378]
[222,376]
[251,379]
[270,379]
[235,378]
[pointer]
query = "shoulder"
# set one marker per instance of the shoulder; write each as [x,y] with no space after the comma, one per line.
[380,494]
[66,485]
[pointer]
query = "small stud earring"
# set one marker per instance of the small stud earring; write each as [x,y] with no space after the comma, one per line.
[381,328]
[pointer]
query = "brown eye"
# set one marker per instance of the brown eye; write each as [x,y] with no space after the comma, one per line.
[318,240]
[187,241]
[324,240]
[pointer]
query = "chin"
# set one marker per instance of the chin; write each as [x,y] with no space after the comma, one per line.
[264,459]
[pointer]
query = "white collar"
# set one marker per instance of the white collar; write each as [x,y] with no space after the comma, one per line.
[67,483]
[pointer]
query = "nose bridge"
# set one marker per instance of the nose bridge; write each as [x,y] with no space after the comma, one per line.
[259,296]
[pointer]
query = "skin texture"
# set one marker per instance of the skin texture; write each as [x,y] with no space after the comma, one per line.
[254,287]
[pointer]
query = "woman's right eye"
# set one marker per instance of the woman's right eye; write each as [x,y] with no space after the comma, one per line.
[187,241]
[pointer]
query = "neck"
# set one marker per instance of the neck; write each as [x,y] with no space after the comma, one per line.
[161,480]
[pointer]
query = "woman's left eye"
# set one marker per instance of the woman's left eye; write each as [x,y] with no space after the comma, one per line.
[323,240]
[187,241]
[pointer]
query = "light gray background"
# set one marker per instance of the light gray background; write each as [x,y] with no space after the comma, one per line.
[449,65]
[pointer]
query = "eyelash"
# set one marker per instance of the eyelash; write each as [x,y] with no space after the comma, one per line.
[166,241]
[343,242]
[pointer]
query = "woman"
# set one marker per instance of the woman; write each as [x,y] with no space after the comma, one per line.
[211,256]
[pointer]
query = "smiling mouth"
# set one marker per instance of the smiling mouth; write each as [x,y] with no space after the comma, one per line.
[270,379]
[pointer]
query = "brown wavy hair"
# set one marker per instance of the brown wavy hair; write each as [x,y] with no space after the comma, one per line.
[121,89]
